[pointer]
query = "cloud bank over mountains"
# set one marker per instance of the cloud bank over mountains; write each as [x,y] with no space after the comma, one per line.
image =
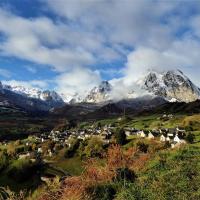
[81,41]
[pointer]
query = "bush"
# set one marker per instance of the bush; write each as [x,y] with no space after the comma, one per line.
[189,128]
[125,174]
[94,147]
[21,170]
[102,192]
[167,145]
[70,151]
[120,137]
[162,161]
[4,160]
[20,149]
[141,146]
[190,138]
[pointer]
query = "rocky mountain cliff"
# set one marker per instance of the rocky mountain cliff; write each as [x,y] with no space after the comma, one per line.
[99,93]
[173,85]
[34,93]
[29,98]
[170,85]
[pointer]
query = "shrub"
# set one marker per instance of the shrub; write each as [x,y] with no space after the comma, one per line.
[167,145]
[190,138]
[21,170]
[94,147]
[11,150]
[120,136]
[4,160]
[102,192]
[125,174]
[189,128]
[141,146]
[20,149]
[162,161]
[74,145]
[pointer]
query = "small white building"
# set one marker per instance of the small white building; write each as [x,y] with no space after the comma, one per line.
[168,139]
[150,135]
[178,140]
[163,138]
[128,133]
[141,134]
[170,135]
[81,137]
[39,150]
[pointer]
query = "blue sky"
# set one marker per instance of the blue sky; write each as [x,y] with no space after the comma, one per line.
[72,45]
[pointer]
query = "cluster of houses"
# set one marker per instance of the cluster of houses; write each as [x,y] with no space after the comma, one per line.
[166,116]
[82,134]
[64,138]
[174,136]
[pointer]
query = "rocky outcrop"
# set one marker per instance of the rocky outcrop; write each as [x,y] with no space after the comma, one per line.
[99,93]
[172,85]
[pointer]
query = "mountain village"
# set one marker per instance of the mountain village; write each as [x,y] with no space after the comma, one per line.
[173,136]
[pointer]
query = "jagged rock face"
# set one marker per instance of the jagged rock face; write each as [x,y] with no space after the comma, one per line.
[30,98]
[34,93]
[50,96]
[152,84]
[172,85]
[100,93]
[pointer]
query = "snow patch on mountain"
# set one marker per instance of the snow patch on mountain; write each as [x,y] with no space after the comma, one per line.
[34,93]
[99,93]
[173,85]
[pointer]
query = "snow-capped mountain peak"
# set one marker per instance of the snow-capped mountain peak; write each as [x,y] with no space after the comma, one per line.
[99,93]
[172,85]
[34,93]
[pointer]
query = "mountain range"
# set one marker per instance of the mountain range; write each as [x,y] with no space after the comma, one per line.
[172,86]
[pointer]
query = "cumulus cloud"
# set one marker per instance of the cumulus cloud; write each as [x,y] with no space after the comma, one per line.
[182,54]
[126,22]
[85,34]
[79,80]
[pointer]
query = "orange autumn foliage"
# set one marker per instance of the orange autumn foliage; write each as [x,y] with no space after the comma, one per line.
[75,188]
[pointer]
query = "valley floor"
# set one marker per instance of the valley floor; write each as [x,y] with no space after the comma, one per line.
[128,167]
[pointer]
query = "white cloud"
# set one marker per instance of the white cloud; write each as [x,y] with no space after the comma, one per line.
[79,80]
[151,34]
[39,84]
[42,41]
[123,22]
[182,54]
